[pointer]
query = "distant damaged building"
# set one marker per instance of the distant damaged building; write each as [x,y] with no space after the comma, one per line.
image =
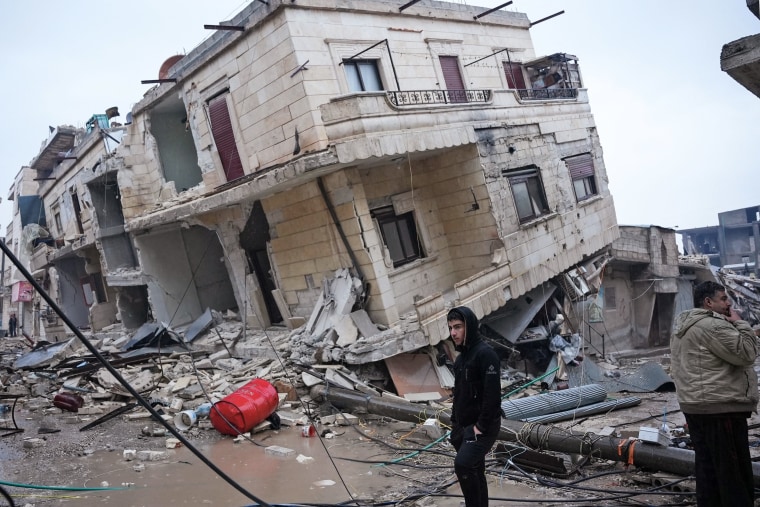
[424,148]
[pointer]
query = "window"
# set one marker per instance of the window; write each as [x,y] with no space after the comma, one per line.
[514,73]
[528,192]
[581,169]
[610,298]
[453,78]
[399,234]
[363,75]
[56,211]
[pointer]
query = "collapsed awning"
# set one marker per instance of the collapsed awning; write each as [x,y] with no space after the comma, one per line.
[510,321]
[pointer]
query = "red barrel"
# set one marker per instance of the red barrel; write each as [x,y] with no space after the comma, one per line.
[245,408]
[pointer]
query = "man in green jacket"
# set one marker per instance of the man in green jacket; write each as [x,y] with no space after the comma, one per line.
[713,355]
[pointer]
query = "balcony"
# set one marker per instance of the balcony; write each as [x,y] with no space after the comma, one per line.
[426,97]
[548,93]
[372,125]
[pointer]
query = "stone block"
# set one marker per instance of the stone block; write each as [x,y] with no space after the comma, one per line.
[276,450]
[32,443]
[151,455]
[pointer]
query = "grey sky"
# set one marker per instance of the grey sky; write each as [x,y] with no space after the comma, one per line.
[678,134]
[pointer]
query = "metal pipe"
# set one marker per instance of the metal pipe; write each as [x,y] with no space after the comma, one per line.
[533,435]
[489,11]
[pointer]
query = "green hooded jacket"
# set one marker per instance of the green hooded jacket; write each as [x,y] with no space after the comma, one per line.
[712,363]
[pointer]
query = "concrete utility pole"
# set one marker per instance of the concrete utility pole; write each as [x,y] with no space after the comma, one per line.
[532,435]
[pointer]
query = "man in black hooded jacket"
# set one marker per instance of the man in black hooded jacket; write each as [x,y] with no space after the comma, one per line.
[476,412]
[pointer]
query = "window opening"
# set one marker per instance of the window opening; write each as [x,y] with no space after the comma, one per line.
[399,234]
[453,78]
[224,137]
[581,169]
[528,192]
[363,75]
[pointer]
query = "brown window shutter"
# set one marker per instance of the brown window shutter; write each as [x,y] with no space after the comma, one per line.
[452,77]
[221,129]
[515,79]
[580,166]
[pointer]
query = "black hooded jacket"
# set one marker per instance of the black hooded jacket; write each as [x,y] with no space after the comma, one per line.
[477,384]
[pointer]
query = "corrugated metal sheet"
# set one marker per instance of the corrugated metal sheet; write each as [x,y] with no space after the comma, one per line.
[595,408]
[552,402]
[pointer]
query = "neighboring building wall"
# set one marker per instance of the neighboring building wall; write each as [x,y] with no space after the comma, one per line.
[734,243]
[638,297]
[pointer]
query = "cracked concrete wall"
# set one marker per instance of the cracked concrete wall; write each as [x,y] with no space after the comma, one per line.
[457,240]
[542,248]
[139,176]
[227,224]
[186,273]
[305,245]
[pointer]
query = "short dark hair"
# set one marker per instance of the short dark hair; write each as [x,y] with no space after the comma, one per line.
[706,290]
[455,314]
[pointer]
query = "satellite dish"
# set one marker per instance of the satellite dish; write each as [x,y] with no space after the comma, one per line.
[163,72]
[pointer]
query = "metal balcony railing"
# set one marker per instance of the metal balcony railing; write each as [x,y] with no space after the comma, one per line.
[548,93]
[424,97]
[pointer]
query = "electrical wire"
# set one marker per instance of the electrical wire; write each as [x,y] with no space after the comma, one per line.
[117,375]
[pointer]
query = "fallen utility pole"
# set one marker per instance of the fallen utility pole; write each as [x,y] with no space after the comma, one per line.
[532,435]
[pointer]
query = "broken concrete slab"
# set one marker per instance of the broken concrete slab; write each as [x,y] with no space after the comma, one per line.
[199,326]
[414,373]
[42,356]
[366,327]
[347,331]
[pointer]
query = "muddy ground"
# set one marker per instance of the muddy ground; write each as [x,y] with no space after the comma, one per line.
[371,462]
[342,464]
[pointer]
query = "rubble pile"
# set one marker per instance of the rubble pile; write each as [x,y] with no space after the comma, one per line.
[341,358]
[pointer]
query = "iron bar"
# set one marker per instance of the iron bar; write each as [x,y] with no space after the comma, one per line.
[233,28]
[548,93]
[408,4]
[113,371]
[489,11]
[546,18]
[423,97]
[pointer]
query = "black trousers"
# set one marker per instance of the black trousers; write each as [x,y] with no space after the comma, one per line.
[722,459]
[470,467]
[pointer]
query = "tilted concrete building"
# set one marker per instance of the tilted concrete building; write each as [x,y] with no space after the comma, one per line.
[427,149]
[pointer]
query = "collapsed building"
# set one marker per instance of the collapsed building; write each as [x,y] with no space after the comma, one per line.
[731,244]
[424,148]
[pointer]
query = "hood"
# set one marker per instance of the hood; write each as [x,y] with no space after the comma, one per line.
[688,318]
[472,325]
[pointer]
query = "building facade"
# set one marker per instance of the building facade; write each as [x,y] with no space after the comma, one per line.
[432,154]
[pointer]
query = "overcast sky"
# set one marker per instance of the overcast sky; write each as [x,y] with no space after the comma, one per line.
[679,136]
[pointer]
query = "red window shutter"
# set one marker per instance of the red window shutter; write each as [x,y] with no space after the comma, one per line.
[515,79]
[580,166]
[224,138]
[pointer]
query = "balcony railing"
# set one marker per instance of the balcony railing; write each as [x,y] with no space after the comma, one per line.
[424,97]
[548,93]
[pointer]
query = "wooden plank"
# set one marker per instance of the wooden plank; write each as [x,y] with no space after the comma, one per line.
[414,373]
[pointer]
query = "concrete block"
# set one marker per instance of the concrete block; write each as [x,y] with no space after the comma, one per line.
[276,450]
[32,443]
[151,455]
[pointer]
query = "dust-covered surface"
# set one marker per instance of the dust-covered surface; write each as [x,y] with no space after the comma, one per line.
[341,464]
[361,459]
